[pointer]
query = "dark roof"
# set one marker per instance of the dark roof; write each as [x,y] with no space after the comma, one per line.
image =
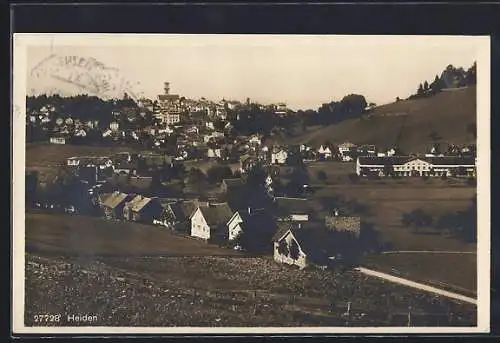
[236,182]
[168,97]
[397,160]
[184,209]
[293,205]
[318,242]
[140,182]
[216,214]
[116,199]
[451,160]
[391,160]
[258,220]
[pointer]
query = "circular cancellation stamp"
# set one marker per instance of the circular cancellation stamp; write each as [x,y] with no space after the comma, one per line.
[87,74]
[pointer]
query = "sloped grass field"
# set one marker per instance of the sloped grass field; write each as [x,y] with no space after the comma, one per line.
[408,123]
[223,291]
[80,235]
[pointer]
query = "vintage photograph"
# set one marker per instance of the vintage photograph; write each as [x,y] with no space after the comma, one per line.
[256,183]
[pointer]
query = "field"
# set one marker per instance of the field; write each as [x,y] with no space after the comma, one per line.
[45,154]
[384,203]
[447,114]
[95,236]
[136,275]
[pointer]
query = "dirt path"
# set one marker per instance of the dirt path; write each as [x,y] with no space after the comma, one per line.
[417,285]
[428,252]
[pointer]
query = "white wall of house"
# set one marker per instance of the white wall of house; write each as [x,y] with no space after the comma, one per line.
[234,227]
[199,227]
[301,262]
[279,157]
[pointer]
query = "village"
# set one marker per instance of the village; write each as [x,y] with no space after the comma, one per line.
[255,196]
[190,168]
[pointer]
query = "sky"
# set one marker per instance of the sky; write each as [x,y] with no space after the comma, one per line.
[302,71]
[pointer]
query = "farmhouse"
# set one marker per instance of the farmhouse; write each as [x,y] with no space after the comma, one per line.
[292,209]
[58,139]
[176,214]
[346,148]
[142,209]
[278,155]
[416,166]
[247,162]
[324,152]
[258,226]
[209,222]
[113,204]
[308,244]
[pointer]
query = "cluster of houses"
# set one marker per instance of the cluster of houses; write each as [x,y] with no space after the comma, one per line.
[317,242]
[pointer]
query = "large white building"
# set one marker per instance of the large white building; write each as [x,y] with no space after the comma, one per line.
[170,106]
[416,166]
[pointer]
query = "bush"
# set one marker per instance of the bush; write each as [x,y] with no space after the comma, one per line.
[321,175]
[217,173]
[354,178]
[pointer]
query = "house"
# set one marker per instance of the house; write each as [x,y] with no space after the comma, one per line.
[367,150]
[255,139]
[125,167]
[209,222]
[231,184]
[142,209]
[416,166]
[311,244]
[278,155]
[324,152]
[177,214]
[258,226]
[58,139]
[346,147]
[113,204]
[292,209]
[247,162]
[345,151]
[214,153]
[80,133]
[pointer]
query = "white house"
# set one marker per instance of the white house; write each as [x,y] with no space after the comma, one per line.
[209,222]
[58,140]
[278,156]
[325,152]
[346,147]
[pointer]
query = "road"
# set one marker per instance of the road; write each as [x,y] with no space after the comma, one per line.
[417,285]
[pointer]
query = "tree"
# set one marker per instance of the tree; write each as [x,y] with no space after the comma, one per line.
[420,90]
[426,86]
[321,175]
[388,169]
[217,173]
[294,250]
[283,249]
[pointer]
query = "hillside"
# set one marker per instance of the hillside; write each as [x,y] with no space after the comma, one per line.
[446,114]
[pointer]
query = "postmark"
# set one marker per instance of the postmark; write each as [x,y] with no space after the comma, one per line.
[87,74]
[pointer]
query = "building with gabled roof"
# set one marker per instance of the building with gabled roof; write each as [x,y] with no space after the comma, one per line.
[416,166]
[113,204]
[142,209]
[209,222]
[308,244]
